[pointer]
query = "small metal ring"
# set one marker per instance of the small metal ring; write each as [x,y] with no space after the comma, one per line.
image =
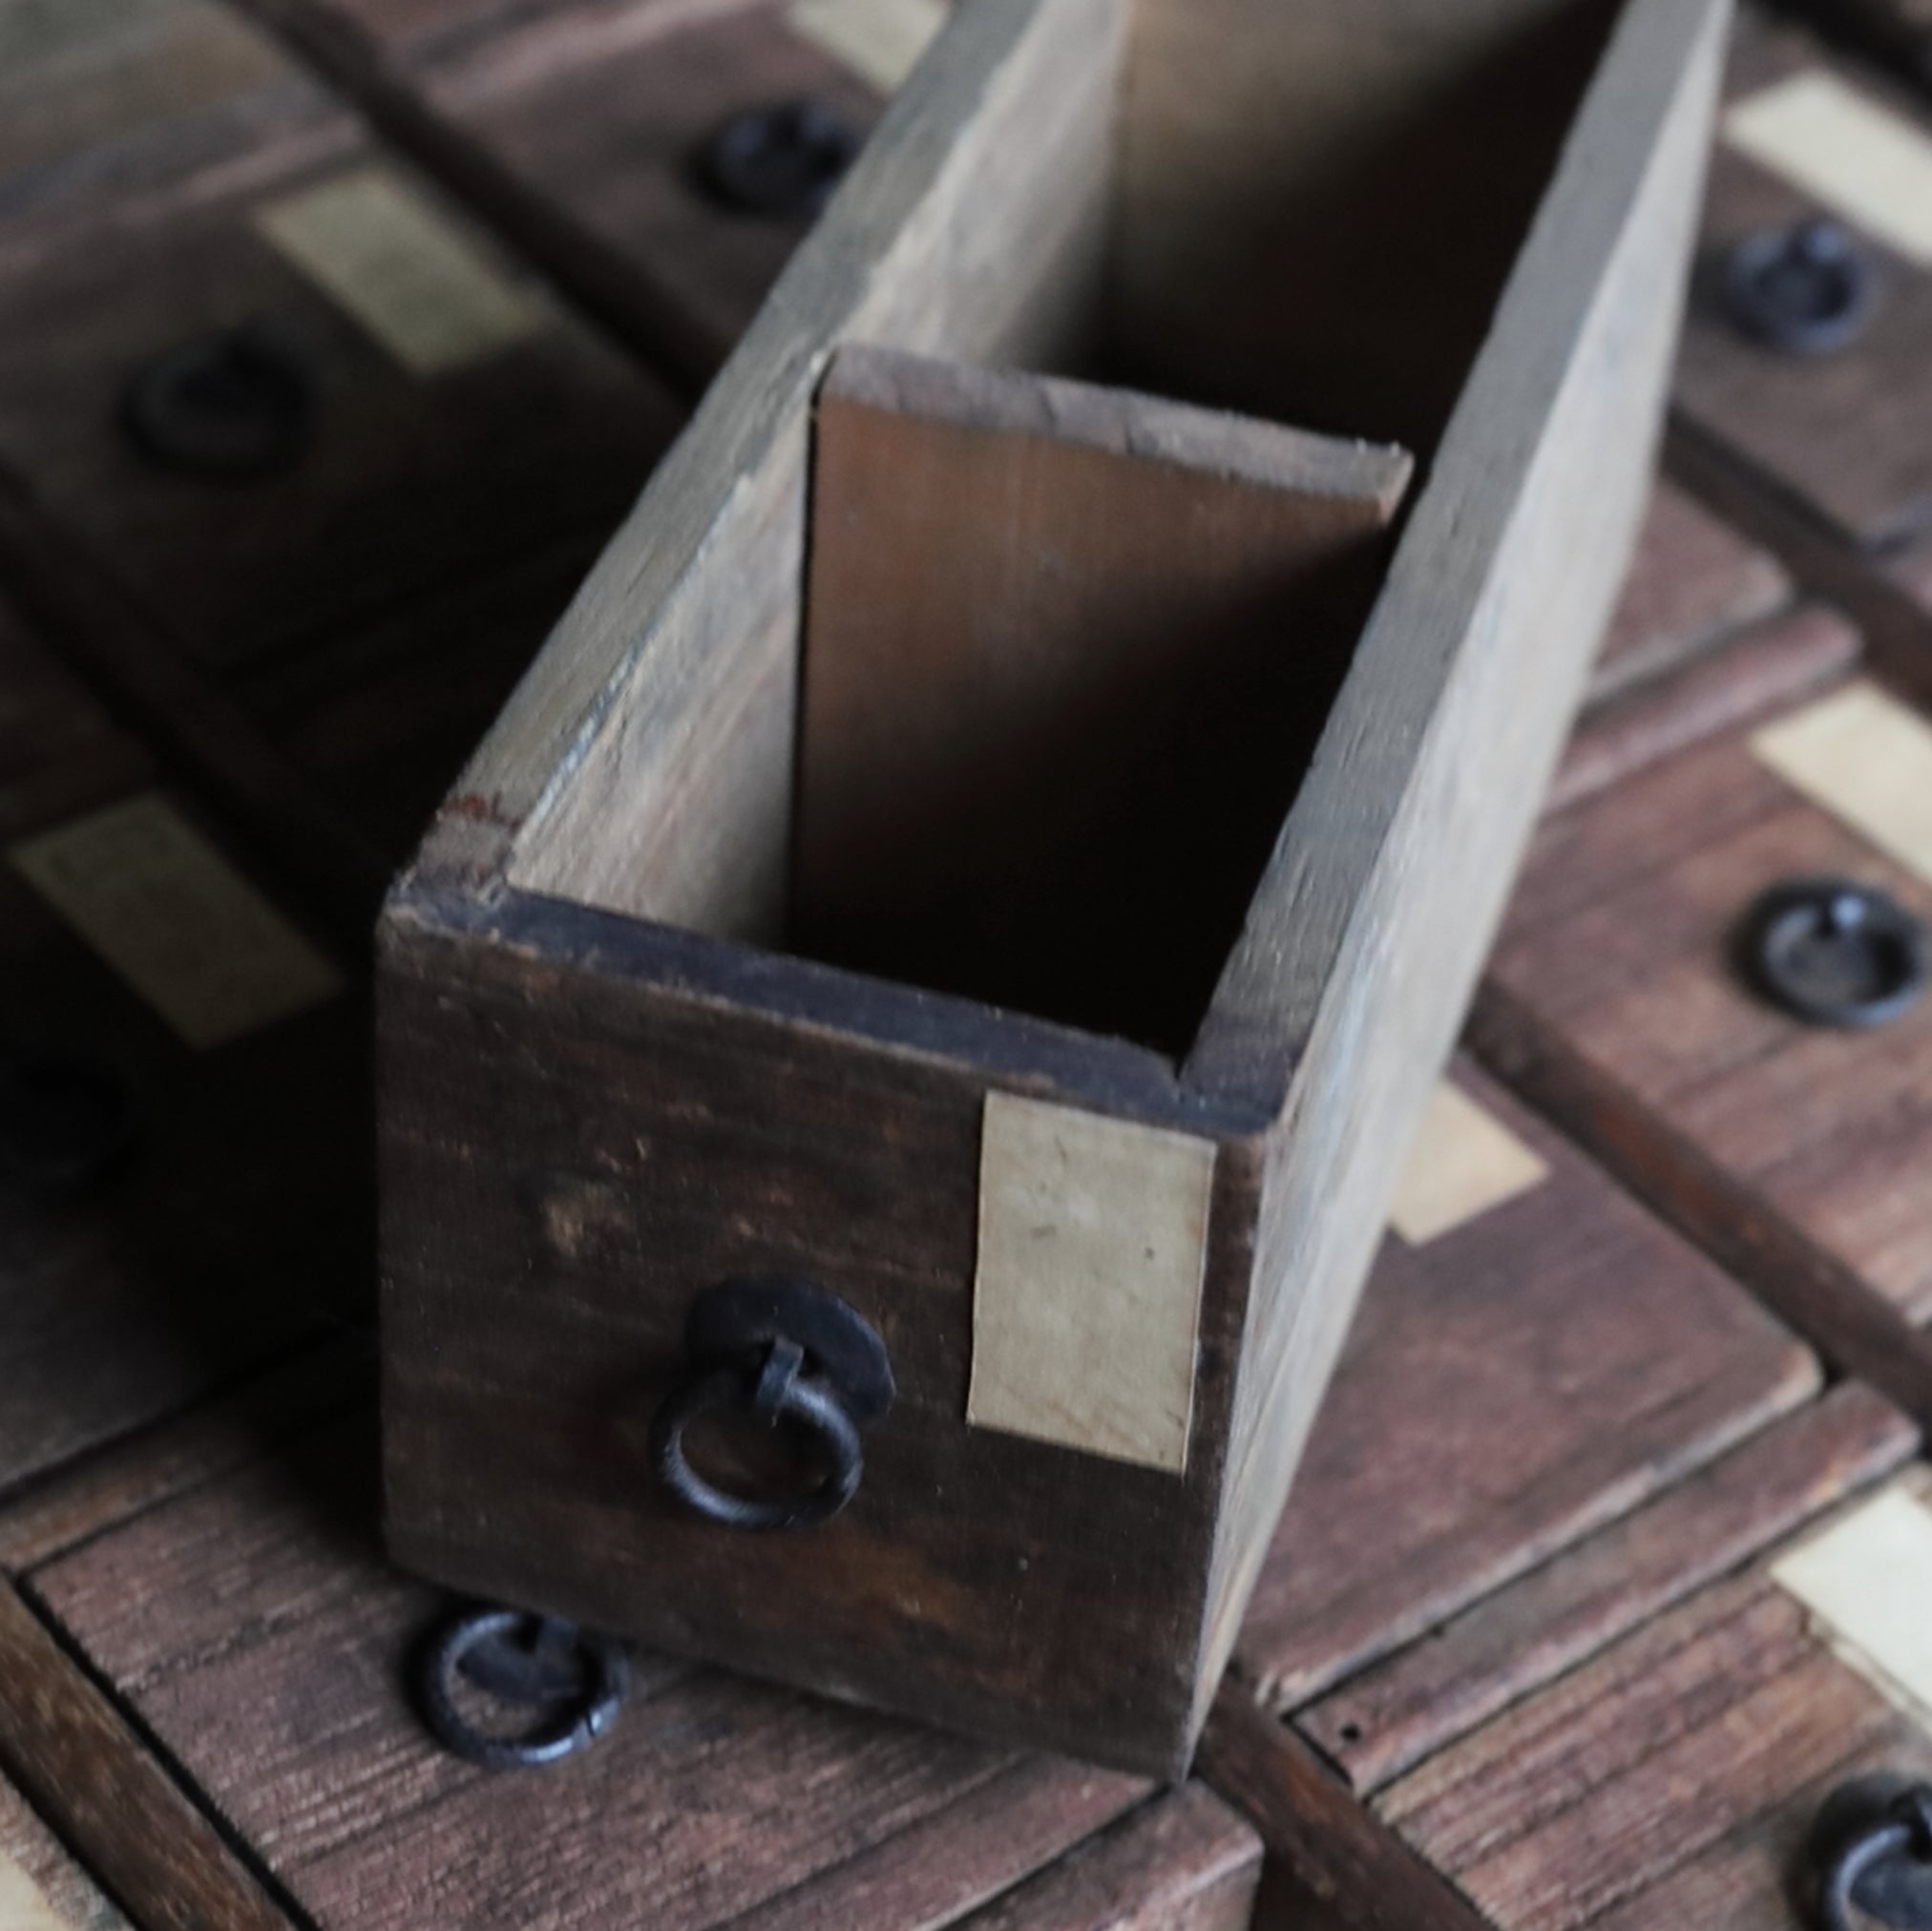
[1833,953]
[781,161]
[576,1726]
[802,1398]
[232,407]
[1860,1855]
[1807,289]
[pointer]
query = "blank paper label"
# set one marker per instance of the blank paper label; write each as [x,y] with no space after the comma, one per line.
[1866,759]
[1463,1163]
[880,40]
[22,1907]
[1086,1304]
[421,287]
[1868,1579]
[1865,162]
[176,921]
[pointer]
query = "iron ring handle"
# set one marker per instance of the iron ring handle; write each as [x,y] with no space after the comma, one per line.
[1870,1848]
[578,1725]
[776,1389]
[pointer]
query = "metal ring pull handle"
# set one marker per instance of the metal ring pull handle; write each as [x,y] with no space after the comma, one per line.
[579,1680]
[775,1352]
[1802,290]
[232,407]
[781,161]
[1871,1844]
[1833,953]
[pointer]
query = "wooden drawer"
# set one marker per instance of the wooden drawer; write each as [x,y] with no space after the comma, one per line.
[604,116]
[1618,992]
[271,1664]
[1674,1778]
[1842,431]
[1534,1356]
[183,1191]
[286,406]
[591,949]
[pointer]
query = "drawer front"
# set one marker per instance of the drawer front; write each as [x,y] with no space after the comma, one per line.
[1847,429]
[1674,1779]
[1534,1356]
[271,1663]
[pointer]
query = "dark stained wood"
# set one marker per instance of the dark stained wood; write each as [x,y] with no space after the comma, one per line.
[75,1757]
[1768,669]
[1845,436]
[1508,1388]
[1670,1781]
[1332,1861]
[1694,582]
[1898,32]
[267,1658]
[1789,1149]
[410,481]
[1392,1715]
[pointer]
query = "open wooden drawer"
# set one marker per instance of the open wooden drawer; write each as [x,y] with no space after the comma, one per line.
[1110,1240]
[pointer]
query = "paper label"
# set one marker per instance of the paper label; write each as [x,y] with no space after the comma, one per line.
[1866,759]
[1463,1163]
[1086,1304]
[1867,1579]
[176,921]
[878,40]
[416,283]
[22,1906]
[1862,160]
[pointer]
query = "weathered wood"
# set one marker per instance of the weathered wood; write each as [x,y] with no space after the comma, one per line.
[82,1764]
[1793,656]
[265,1602]
[1844,434]
[1694,583]
[1390,1717]
[1483,1416]
[1671,1780]
[637,801]
[1067,652]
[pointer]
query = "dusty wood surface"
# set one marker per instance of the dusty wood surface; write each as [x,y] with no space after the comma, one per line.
[1845,433]
[1397,1713]
[1508,1387]
[1670,1780]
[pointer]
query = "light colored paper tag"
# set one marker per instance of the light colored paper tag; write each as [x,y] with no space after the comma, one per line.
[1842,148]
[1086,1305]
[1866,759]
[22,1906]
[1463,1163]
[421,287]
[878,40]
[176,921]
[1867,1579]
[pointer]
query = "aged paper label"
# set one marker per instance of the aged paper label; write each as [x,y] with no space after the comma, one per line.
[878,40]
[429,294]
[1866,759]
[1867,1579]
[1086,1302]
[22,1906]
[1463,1163]
[176,921]
[1842,148]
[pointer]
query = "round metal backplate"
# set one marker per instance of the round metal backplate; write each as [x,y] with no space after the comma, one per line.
[1832,953]
[1894,1890]
[1802,290]
[781,161]
[734,1324]
[227,408]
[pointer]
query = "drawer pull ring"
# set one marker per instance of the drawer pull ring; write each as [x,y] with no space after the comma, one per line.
[782,160]
[539,1663]
[64,1124]
[1832,953]
[776,1351]
[1805,290]
[227,408]
[1871,1844]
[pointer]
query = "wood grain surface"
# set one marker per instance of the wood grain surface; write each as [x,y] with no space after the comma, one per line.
[1508,1388]
[1620,947]
[1670,1780]
[268,1657]
[1844,434]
